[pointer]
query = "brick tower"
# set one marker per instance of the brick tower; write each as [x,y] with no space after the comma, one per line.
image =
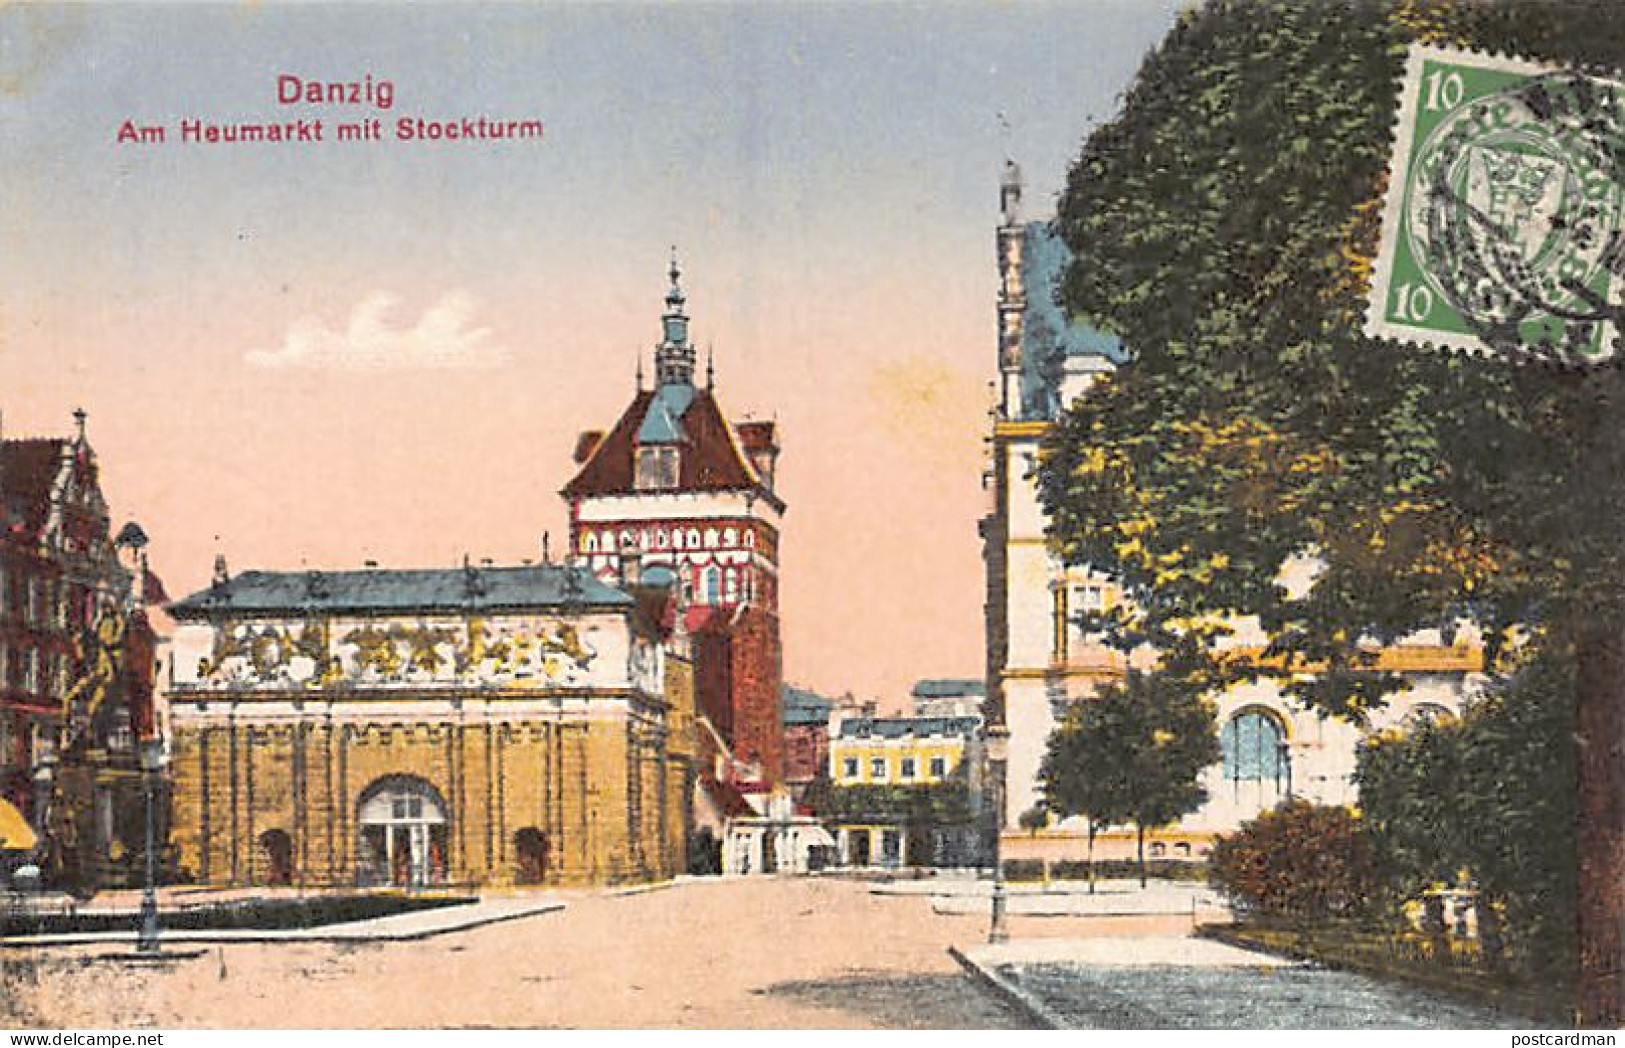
[676,492]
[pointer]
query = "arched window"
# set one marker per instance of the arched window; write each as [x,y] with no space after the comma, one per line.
[404,832]
[606,541]
[713,586]
[693,538]
[1254,744]
[677,538]
[660,538]
[729,537]
[589,543]
[750,539]
[730,586]
[710,538]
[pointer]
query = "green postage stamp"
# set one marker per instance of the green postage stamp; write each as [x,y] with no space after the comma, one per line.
[1502,229]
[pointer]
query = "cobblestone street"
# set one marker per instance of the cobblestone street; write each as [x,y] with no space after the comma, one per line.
[1167,997]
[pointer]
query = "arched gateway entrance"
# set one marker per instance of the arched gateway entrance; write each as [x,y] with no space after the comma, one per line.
[403,833]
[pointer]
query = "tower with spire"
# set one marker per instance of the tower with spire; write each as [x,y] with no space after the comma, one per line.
[676,493]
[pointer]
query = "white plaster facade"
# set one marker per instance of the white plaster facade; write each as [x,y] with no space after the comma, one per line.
[1038,661]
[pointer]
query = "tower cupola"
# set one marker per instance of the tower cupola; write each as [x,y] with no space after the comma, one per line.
[674,357]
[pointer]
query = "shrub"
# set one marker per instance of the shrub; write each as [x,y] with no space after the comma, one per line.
[1300,862]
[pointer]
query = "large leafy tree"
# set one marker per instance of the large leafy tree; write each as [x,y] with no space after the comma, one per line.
[1224,225]
[1134,753]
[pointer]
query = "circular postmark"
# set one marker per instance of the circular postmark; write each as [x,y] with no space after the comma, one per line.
[1513,213]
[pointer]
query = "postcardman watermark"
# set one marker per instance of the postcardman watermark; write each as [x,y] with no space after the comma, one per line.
[1502,230]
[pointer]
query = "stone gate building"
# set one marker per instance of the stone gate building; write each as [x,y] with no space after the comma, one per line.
[474,726]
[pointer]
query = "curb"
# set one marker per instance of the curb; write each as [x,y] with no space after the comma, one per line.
[230,937]
[1029,1006]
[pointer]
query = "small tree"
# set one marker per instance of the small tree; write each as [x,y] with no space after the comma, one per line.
[1034,819]
[1132,754]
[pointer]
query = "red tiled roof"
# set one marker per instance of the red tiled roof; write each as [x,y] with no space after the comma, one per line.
[758,436]
[710,460]
[28,468]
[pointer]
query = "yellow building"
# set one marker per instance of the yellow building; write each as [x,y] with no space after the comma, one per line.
[900,751]
[907,790]
[473,726]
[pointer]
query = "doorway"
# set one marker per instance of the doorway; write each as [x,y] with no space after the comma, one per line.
[276,849]
[403,833]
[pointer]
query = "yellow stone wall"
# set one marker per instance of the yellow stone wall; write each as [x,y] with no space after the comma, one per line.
[604,790]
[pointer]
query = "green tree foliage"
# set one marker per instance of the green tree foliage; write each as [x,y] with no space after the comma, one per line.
[1302,862]
[1224,225]
[1477,795]
[1134,753]
[933,804]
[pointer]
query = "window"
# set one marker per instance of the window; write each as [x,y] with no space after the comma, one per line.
[728,537]
[693,538]
[710,538]
[939,767]
[657,468]
[407,806]
[120,738]
[713,586]
[849,768]
[660,538]
[750,540]
[730,586]
[907,768]
[877,767]
[589,543]
[31,670]
[1254,747]
[677,538]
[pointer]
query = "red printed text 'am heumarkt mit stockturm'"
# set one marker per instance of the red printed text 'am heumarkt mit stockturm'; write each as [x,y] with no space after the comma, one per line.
[363,94]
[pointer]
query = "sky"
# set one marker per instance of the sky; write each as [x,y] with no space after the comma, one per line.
[321,353]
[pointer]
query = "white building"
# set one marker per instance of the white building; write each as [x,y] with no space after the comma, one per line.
[1038,661]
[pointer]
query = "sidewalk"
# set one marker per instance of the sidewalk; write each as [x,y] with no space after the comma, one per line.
[1173,982]
[1116,898]
[400,927]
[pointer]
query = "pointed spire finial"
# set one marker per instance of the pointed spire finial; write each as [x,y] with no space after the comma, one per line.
[79,417]
[674,272]
[640,370]
[710,367]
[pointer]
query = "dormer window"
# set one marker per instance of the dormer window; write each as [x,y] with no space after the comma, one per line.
[657,468]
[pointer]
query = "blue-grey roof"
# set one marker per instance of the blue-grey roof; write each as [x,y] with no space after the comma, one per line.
[946,688]
[800,706]
[662,424]
[409,590]
[1048,335]
[903,727]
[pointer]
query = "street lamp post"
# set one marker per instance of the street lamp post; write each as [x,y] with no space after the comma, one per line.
[152,751]
[997,748]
